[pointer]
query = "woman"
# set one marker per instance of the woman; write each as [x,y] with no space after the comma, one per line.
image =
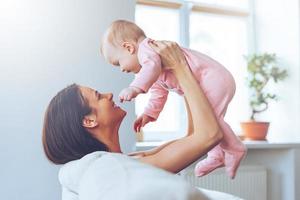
[80,120]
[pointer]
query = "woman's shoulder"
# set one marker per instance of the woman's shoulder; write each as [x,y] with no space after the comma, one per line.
[85,160]
[70,173]
[118,176]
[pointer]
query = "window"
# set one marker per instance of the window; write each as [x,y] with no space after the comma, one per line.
[160,23]
[233,4]
[218,31]
[224,38]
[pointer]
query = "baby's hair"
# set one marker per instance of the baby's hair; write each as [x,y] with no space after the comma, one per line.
[122,30]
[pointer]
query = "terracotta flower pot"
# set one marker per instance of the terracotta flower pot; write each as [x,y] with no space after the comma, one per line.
[254,130]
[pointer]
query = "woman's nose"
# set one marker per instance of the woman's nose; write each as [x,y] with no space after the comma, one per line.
[109,96]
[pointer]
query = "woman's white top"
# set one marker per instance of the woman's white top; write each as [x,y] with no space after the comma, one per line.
[112,176]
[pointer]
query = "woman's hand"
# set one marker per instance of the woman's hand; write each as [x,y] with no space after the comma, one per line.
[170,53]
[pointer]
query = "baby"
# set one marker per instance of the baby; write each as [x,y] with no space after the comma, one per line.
[124,44]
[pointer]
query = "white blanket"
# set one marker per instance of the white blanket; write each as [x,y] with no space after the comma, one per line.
[110,176]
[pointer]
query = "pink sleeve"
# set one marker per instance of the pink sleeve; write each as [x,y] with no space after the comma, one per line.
[151,68]
[157,100]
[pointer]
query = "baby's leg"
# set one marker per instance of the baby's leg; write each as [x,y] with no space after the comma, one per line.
[229,152]
[215,155]
[230,141]
[219,87]
[234,150]
[214,160]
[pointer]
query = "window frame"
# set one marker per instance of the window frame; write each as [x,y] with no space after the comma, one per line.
[185,8]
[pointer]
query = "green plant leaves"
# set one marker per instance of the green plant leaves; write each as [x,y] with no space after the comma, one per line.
[261,69]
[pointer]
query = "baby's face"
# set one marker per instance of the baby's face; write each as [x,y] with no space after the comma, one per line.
[120,57]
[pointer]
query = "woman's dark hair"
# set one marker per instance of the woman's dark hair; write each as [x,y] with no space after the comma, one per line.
[64,137]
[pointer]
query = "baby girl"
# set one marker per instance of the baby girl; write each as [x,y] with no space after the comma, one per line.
[124,44]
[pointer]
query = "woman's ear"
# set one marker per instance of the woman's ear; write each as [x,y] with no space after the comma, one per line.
[130,47]
[89,121]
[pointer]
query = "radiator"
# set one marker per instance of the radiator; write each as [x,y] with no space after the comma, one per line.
[250,183]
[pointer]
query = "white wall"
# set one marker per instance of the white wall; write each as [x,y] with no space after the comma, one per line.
[45,46]
[277,31]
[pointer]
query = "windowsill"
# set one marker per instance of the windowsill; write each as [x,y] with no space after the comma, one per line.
[142,146]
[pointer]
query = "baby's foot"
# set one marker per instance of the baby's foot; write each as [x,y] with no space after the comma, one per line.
[207,165]
[233,160]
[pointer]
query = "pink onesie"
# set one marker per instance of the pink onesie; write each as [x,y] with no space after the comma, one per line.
[218,86]
[214,79]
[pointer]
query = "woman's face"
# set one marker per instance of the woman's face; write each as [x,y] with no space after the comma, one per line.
[102,105]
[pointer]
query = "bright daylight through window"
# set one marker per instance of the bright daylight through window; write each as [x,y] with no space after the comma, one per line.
[216,28]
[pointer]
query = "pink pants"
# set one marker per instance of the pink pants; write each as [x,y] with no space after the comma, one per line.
[219,87]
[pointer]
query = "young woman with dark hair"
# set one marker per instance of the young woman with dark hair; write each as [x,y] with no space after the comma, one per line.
[80,120]
[64,137]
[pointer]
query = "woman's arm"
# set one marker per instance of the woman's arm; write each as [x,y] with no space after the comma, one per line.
[190,131]
[190,128]
[152,151]
[180,153]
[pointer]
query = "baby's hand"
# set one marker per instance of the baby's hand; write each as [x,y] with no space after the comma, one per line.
[141,121]
[129,93]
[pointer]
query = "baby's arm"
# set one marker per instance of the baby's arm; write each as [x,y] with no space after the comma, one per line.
[148,74]
[156,103]
[150,68]
[129,93]
[145,78]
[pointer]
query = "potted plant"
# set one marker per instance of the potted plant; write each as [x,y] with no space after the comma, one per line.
[262,71]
